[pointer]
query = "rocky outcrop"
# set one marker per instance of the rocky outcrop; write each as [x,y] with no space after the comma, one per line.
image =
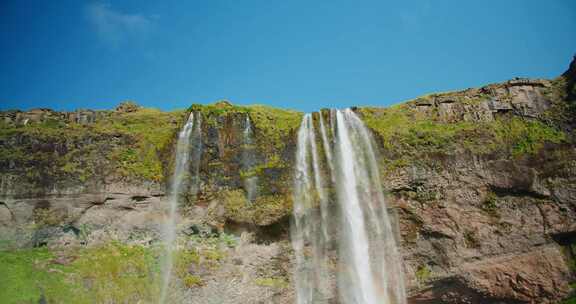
[482,183]
[481,223]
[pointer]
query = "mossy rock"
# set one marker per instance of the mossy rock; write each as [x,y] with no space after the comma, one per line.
[265,210]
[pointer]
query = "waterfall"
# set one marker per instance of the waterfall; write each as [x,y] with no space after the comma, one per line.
[249,160]
[184,179]
[349,225]
[309,226]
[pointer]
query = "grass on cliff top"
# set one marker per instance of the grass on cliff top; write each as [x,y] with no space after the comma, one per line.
[402,127]
[134,141]
[274,124]
[409,133]
[152,130]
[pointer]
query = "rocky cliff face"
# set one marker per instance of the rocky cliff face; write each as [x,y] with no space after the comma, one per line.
[482,183]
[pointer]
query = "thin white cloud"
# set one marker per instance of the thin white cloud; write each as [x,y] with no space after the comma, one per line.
[114,27]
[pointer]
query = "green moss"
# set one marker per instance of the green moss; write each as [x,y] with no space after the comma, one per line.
[151,130]
[272,282]
[182,261]
[423,273]
[270,208]
[124,274]
[274,162]
[572,298]
[402,127]
[567,252]
[525,136]
[470,239]
[490,204]
[191,281]
[206,255]
[424,195]
[274,125]
[112,273]
[45,217]
[409,135]
[264,210]
[26,275]
[217,109]
[236,206]
[131,142]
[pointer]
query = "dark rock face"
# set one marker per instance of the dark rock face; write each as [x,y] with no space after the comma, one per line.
[492,231]
[483,185]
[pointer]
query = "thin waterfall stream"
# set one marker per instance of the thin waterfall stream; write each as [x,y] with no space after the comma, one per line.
[184,180]
[249,160]
[341,232]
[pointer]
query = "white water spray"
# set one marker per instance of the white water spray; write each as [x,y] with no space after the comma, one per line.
[309,226]
[248,160]
[363,242]
[186,154]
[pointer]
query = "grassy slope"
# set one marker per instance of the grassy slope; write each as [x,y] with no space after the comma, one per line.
[109,273]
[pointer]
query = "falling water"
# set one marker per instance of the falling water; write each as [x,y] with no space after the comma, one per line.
[187,161]
[310,227]
[351,226]
[249,160]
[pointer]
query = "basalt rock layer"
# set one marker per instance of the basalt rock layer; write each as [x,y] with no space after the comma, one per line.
[482,183]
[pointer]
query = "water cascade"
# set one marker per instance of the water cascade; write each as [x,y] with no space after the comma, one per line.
[342,235]
[249,160]
[184,180]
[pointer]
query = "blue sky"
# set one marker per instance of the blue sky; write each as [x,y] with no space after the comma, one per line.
[303,55]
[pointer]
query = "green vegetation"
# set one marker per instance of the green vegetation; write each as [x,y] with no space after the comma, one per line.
[263,211]
[124,273]
[150,131]
[423,273]
[470,239]
[44,217]
[422,195]
[258,170]
[211,112]
[26,275]
[112,273]
[403,127]
[109,273]
[490,204]
[410,135]
[273,282]
[571,261]
[207,254]
[127,143]
[274,124]
[182,261]
[524,136]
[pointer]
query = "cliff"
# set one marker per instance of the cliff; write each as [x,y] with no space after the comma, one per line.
[482,183]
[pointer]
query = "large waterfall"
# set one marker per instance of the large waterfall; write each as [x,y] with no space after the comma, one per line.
[342,235]
[184,180]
